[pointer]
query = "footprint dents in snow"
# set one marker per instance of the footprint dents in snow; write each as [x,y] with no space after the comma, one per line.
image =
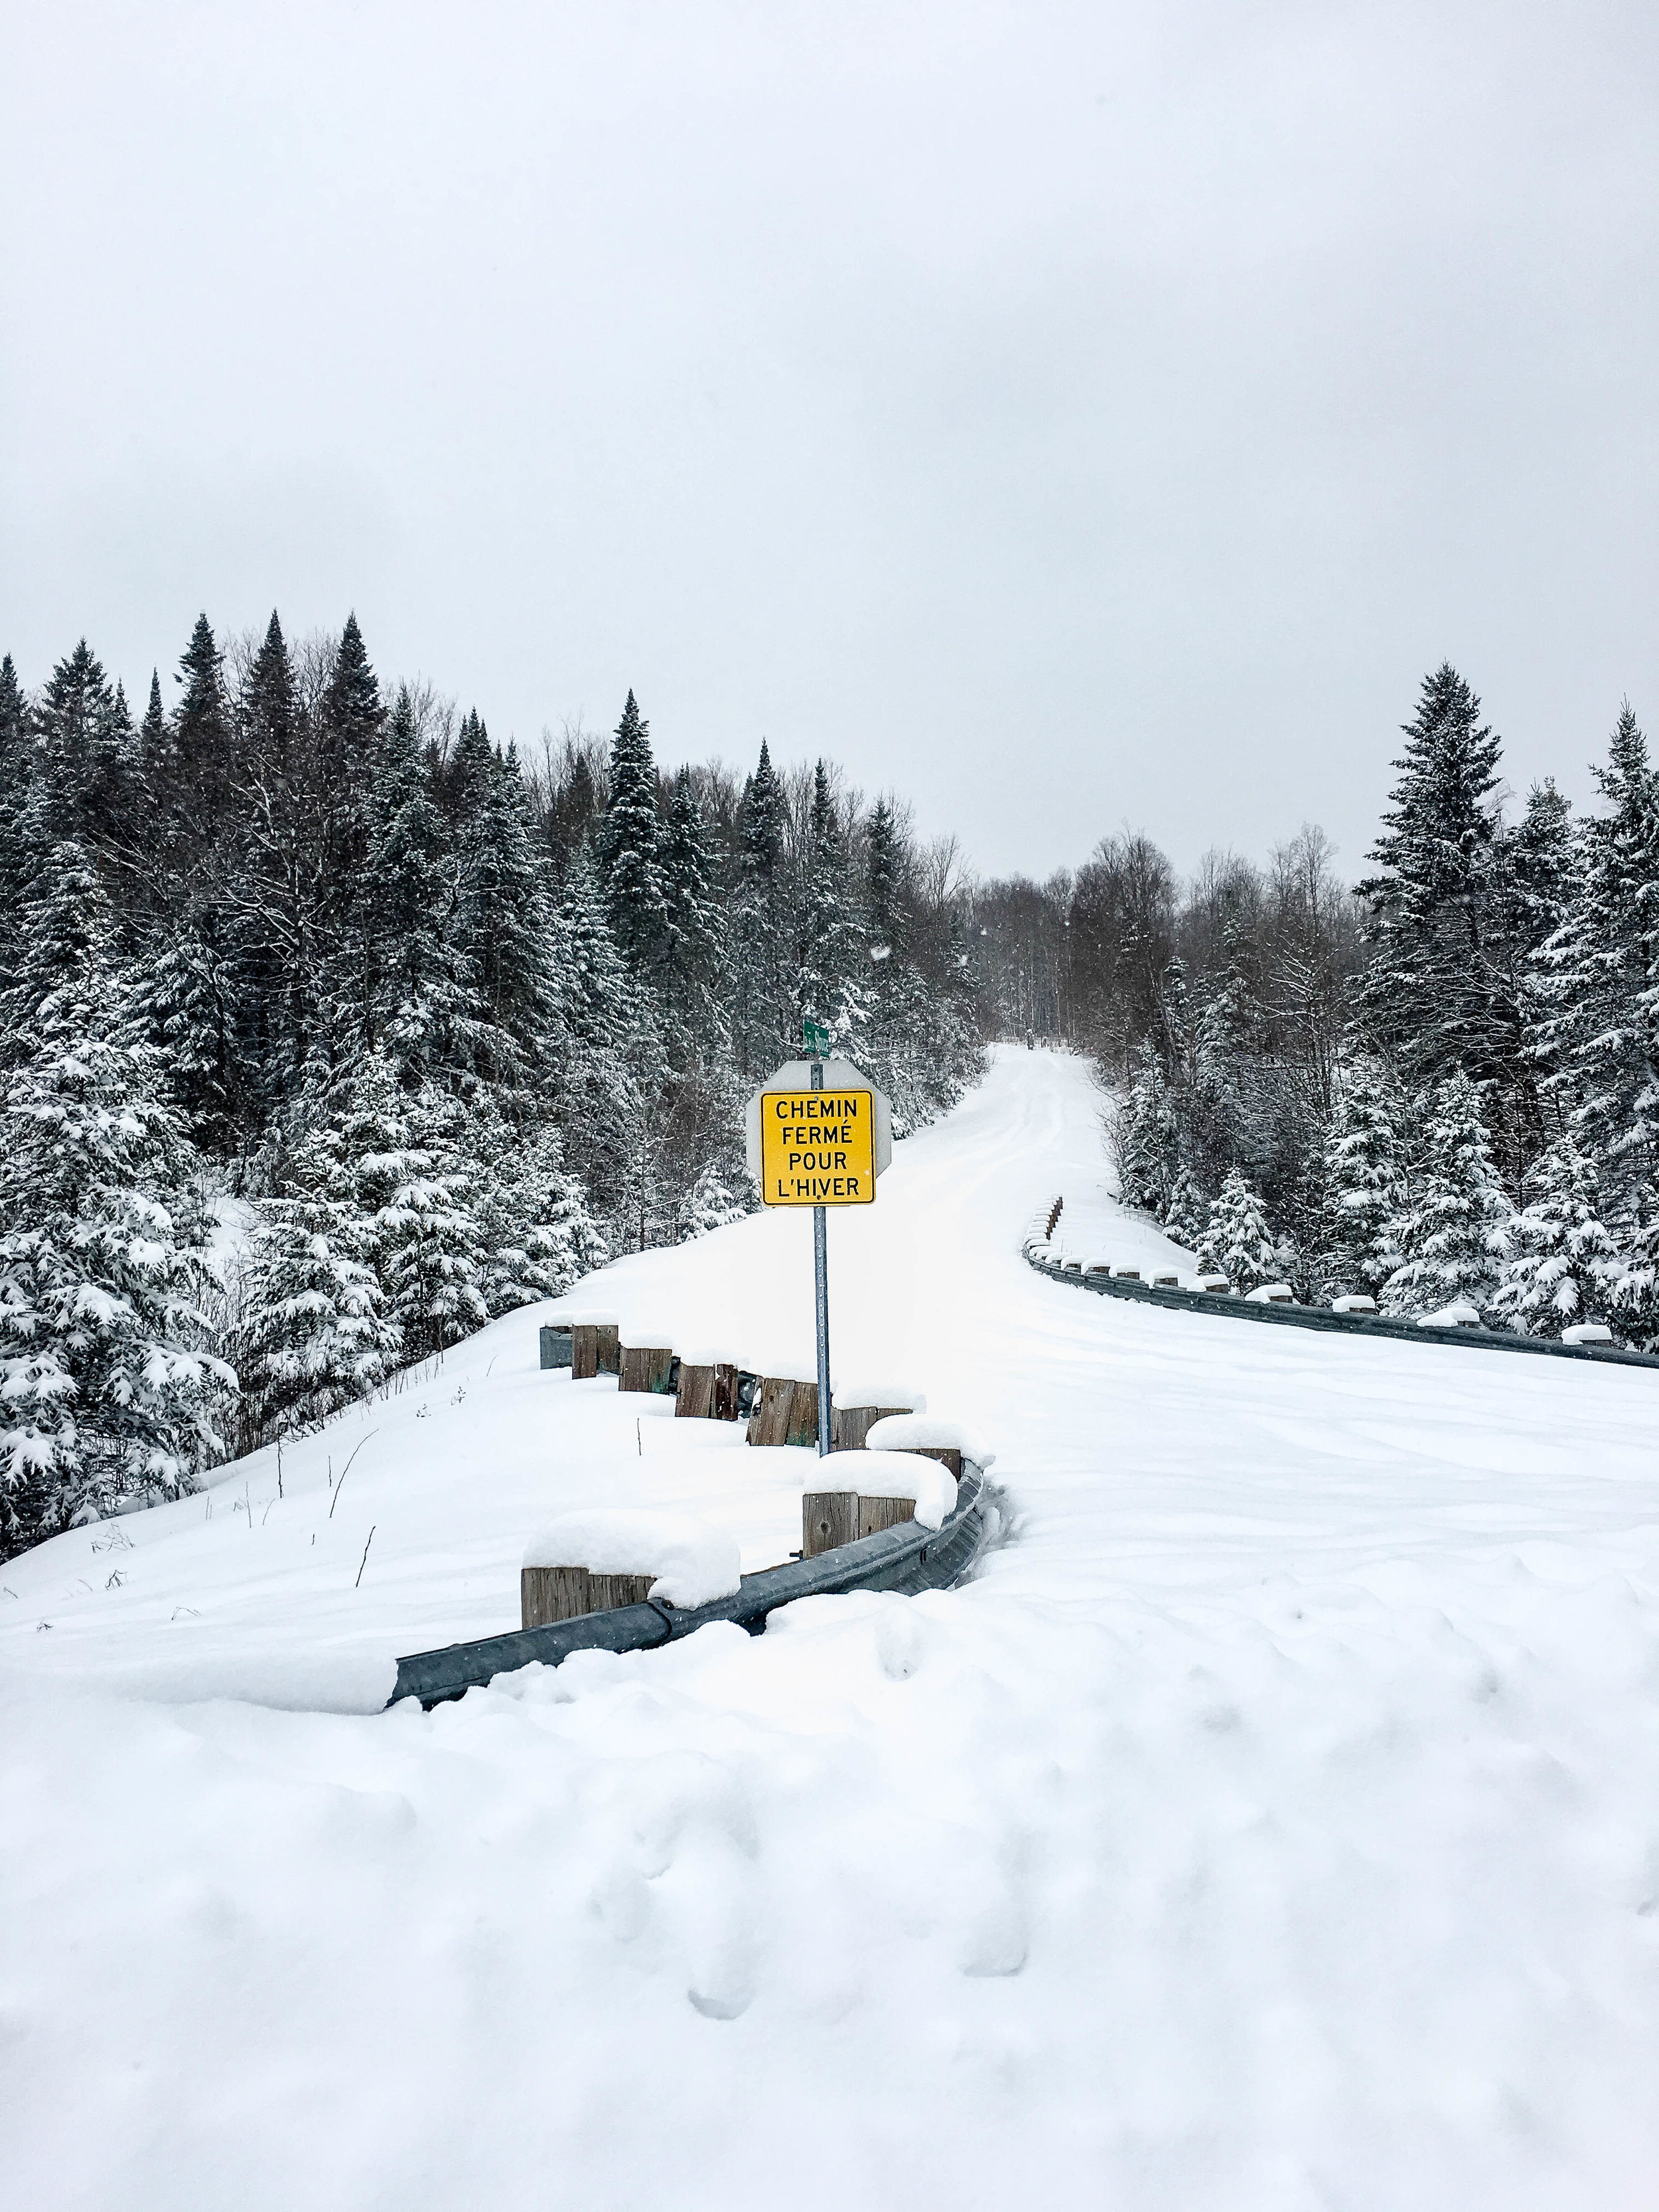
[899,1643]
[621,1902]
[997,1940]
[713,2007]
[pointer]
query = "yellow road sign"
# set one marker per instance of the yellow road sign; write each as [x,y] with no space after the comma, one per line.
[817,1147]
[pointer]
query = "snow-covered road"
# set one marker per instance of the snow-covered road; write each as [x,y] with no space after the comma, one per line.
[1274,1824]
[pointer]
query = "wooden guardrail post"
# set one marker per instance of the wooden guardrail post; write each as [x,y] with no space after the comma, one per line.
[829,1517]
[875,1514]
[595,1349]
[707,1391]
[854,1423]
[694,1399]
[552,1594]
[645,1367]
[785,1412]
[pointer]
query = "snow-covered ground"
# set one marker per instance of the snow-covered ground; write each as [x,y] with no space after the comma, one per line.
[1274,1824]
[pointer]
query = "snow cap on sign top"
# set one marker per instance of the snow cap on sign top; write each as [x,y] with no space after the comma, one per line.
[693,1562]
[892,1474]
[925,1432]
[838,1075]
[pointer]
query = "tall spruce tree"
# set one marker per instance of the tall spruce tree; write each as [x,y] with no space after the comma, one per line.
[1437,995]
[695,1014]
[1596,982]
[764,1002]
[503,916]
[16,780]
[627,845]
[418,1005]
[204,738]
[829,984]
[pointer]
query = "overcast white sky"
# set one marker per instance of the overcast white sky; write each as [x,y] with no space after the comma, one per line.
[1064,415]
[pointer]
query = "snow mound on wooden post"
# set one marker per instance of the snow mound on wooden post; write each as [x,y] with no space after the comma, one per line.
[693,1562]
[779,1368]
[1456,1315]
[925,1432]
[892,1474]
[855,1396]
[579,1316]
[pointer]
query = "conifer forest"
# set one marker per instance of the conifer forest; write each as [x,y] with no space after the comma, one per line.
[330,1029]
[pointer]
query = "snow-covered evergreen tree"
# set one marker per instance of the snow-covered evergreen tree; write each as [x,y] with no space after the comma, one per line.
[1366,1157]
[107,1384]
[765,1007]
[1146,1138]
[1565,1266]
[1437,995]
[1596,980]
[504,918]
[404,1167]
[536,1231]
[316,1335]
[627,842]
[1236,1242]
[1186,1212]
[1453,1233]
[611,1043]
[17,776]
[693,973]
[828,949]
[714,1202]
[420,1010]
[203,744]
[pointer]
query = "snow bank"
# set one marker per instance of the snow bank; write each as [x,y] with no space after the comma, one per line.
[694,1564]
[892,1474]
[919,1432]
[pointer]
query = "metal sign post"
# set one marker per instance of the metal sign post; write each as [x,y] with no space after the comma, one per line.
[818,1135]
[821,1275]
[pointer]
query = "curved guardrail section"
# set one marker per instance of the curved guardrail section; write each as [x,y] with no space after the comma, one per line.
[908,1558]
[1229,1308]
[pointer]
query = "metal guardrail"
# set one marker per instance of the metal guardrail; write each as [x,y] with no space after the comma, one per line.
[906,1558]
[1229,1308]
